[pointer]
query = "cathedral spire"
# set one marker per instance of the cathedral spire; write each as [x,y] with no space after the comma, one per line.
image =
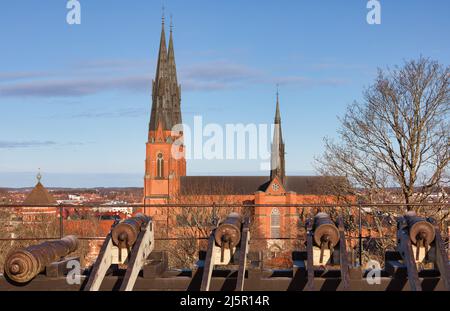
[157,115]
[173,81]
[172,68]
[166,97]
[277,111]
[277,154]
[162,55]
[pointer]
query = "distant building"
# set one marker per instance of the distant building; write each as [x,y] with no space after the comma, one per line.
[41,201]
[76,197]
[116,208]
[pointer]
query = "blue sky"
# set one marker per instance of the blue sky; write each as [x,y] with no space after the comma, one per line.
[75,99]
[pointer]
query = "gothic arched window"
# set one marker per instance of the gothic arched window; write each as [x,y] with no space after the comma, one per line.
[160,166]
[275,224]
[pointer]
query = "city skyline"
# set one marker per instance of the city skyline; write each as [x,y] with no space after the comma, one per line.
[78,106]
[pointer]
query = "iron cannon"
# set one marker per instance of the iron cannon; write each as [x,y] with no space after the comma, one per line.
[421,232]
[23,264]
[228,232]
[325,231]
[125,233]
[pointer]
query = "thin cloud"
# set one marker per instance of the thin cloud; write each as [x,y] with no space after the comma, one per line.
[219,75]
[73,88]
[220,71]
[209,76]
[113,65]
[127,113]
[196,85]
[19,75]
[334,65]
[32,144]
[25,144]
[305,81]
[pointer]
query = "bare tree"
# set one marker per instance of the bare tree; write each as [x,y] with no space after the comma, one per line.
[188,227]
[399,135]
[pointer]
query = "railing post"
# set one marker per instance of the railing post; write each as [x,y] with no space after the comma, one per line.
[214,215]
[61,222]
[360,235]
[447,234]
[167,220]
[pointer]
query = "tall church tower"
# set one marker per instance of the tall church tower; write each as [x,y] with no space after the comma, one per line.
[277,165]
[165,161]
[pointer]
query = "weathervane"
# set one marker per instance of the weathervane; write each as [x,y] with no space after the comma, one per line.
[39,176]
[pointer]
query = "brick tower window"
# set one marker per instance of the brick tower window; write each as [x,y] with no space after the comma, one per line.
[275,224]
[160,166]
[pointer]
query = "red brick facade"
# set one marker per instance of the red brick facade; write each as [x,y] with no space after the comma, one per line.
[166,181]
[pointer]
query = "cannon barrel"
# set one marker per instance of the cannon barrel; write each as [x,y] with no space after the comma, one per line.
[325,230]
[126,232]
[228,232]
[23,264]
[419,228]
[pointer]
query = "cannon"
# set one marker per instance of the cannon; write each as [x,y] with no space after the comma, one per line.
[230,237]
[228,233]
[420,250]
[325,237]
[22,265]
[129,242]
[126,232]
[322,237]
[326,234]
[421,232]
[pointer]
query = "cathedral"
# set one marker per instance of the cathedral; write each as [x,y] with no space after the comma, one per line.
[166,180]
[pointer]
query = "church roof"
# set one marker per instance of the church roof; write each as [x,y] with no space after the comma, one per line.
[241,185]
[39,196]
[191,185]
[321,185]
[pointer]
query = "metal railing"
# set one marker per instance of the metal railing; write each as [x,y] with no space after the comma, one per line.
[354,209]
